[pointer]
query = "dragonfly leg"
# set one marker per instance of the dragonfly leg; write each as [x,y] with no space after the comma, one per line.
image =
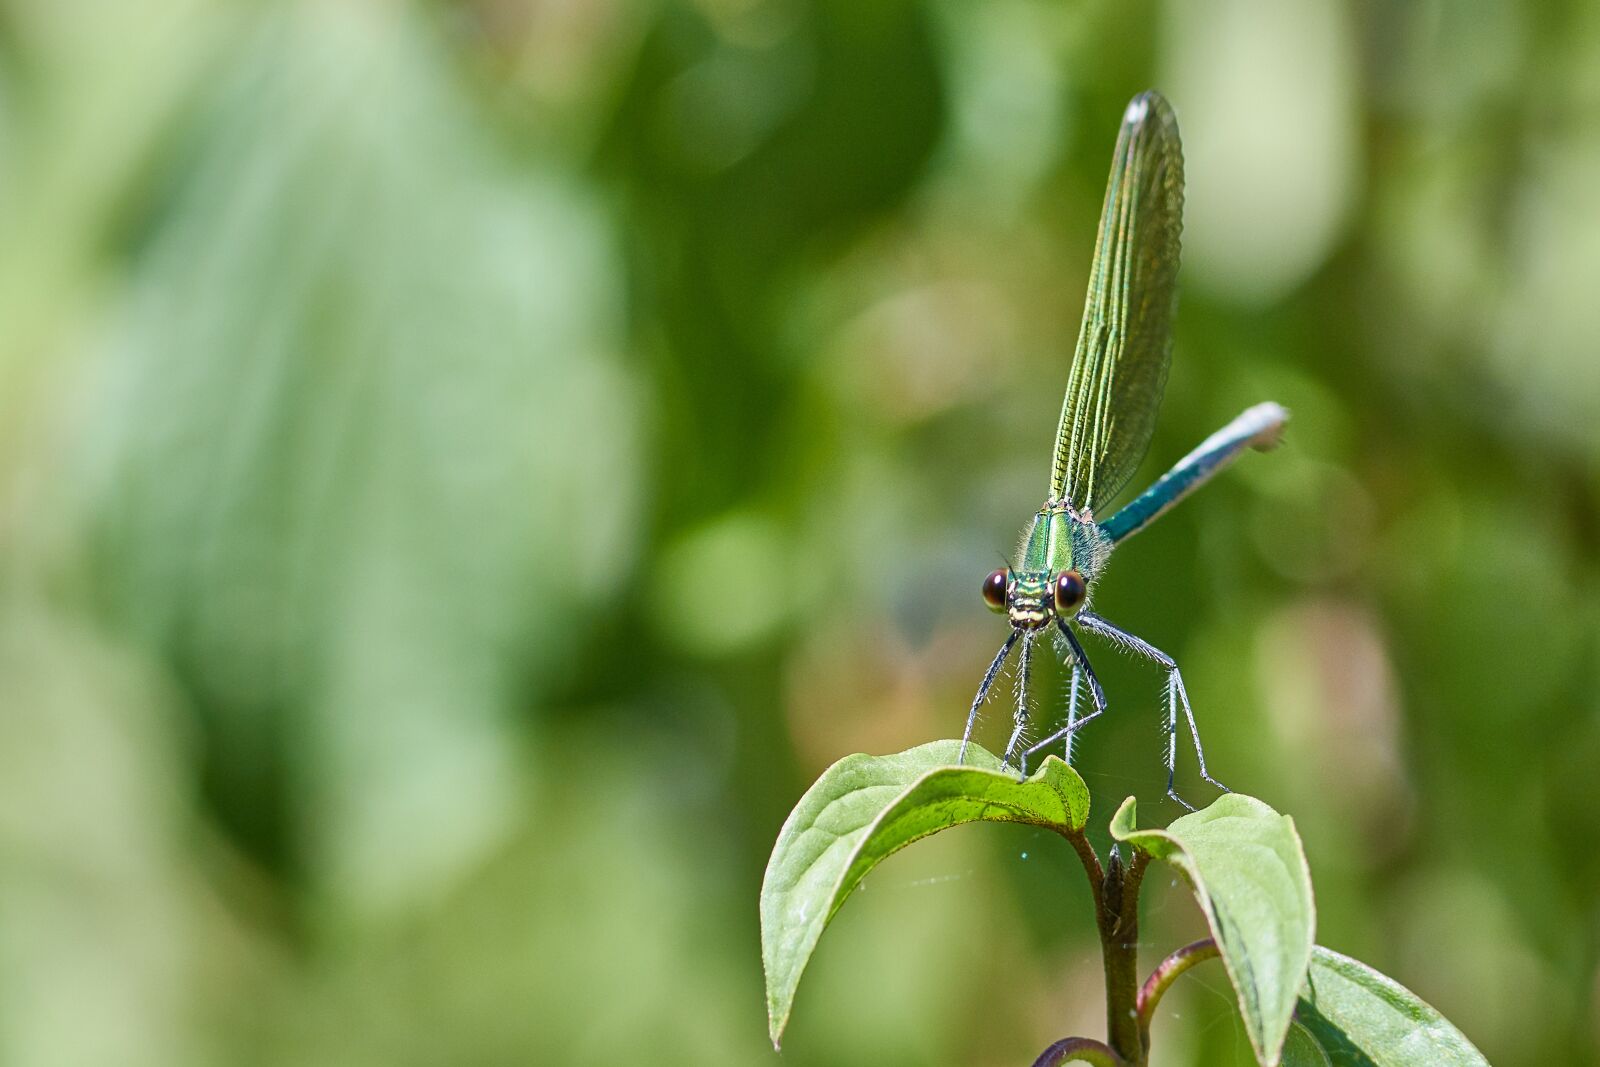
[1080,664]
[1069,732]
[1177,696]
[1072,713]
[1024,663]
[983,690]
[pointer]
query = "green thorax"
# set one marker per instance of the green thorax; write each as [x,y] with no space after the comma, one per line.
[1058,540]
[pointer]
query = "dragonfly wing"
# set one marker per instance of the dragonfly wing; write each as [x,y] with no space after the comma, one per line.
[1125,343]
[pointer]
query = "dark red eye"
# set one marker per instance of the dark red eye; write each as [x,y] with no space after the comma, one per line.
[994,591]
[1070,591]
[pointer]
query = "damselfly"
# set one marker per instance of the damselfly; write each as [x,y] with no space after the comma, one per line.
[1118,374]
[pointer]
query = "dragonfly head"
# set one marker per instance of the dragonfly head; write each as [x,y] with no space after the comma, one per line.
[1031,599]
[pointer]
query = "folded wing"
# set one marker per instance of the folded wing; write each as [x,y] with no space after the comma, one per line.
[1119,370]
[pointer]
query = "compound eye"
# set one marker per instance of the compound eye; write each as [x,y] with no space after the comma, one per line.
[994,590]
[1070,591]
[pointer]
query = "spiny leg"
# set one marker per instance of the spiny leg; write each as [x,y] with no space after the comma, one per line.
[1080,664]
[1024,663]
[983,690]
[1072,713]
[1194,731]
[1073,688]
[1176,695]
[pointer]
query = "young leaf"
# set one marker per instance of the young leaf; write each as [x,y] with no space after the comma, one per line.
[1244,862]
[865,807]
[1360,1018]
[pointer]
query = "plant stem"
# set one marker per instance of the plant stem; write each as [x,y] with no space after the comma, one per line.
[1164,975]
[1116,906]
[1091,867]
[1085,1049]
[1119,946]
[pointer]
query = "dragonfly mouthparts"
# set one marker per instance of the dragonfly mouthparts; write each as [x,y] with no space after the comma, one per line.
[1029,605]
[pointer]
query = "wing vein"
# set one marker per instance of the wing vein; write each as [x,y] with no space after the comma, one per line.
[1119,368]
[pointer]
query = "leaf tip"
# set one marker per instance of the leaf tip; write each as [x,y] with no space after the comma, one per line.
[1124,822]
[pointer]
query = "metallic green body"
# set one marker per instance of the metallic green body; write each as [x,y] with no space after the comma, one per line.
[1048,546]
[1057,540]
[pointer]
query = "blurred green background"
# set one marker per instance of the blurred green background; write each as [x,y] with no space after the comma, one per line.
[465,469]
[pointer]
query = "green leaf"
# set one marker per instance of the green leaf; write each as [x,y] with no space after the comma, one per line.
[1360,1018]
[1301,1049]
[865,807]
[1244,862]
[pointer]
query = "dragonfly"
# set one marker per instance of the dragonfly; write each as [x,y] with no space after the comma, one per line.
[1118,375]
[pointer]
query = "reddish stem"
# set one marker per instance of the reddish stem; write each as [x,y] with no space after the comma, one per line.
[1083,1049]
[1165,974]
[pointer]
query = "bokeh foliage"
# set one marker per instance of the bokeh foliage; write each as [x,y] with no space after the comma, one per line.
[466,467]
